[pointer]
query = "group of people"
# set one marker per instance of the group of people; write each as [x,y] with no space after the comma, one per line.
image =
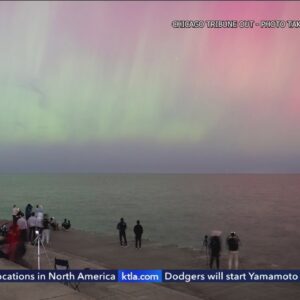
[26,228]
[33,223]
[213,244]
[138,232]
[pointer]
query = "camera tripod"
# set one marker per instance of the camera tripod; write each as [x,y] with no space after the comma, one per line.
[38,241]
[205,247]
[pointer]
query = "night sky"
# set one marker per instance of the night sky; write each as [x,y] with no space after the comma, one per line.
[112,87]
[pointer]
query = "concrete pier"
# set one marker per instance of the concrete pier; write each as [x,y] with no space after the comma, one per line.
[87,250]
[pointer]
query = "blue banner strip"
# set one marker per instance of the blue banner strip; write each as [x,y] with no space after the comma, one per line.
[188,276]
[149,276]
[58,275]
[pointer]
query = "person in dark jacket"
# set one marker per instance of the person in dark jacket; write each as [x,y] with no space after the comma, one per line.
[28,211]
[233,243]
[122,232]
[138,231]
[215,250]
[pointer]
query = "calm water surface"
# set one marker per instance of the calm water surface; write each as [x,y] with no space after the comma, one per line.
[174,209]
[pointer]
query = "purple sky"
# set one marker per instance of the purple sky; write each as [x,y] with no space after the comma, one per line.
[112,87]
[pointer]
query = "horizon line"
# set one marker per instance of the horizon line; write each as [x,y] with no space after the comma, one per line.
[143,173]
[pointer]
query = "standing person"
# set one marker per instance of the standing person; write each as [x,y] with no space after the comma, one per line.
[14,213]
[39,213]
[13,242]
[46,230]
[39,210]
[28,211]
[122,231]
[233,243]
[138,230]
[22,225]
[31,222]
[215,249]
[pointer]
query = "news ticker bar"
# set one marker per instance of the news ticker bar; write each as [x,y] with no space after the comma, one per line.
[149,276]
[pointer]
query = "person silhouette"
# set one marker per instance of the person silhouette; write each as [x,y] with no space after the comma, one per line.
[215,249]
[66,224]
[122,232]
[28,211]
[138,230]
[233,243]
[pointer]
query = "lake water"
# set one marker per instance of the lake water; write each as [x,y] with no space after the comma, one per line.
[174,209]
